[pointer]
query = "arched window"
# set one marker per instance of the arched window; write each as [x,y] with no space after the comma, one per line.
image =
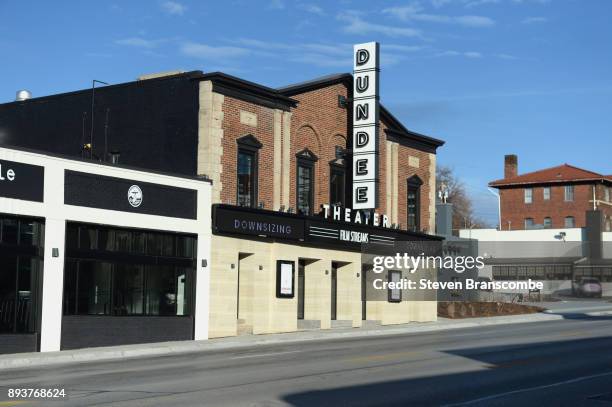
[305,167]
[247,164]
[413,203]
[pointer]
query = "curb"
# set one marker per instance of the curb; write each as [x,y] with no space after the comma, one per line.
[25,360]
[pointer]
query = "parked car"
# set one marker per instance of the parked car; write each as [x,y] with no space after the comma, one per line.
[587,287]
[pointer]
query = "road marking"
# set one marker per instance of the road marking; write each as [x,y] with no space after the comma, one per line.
[378,358]
[545,386]
[262,355]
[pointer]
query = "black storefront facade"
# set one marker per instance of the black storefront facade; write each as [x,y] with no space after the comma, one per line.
[96,255]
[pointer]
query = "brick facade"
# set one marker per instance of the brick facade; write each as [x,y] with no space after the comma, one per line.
[234,129]
[320,125]
[514,210]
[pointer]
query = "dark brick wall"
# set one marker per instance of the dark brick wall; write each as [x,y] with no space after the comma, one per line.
[18,343]
[87,331]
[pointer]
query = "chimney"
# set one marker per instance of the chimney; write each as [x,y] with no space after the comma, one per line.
[510,166]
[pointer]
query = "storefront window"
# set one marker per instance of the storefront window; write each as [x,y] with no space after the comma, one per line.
[10,230]
[128,290]
[146,273]
[20,266]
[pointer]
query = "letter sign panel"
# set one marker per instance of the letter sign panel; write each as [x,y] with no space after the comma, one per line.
[365,125]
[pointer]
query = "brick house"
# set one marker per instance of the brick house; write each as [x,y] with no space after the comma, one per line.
[556,197]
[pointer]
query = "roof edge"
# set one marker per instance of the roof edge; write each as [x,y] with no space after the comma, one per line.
[224,81]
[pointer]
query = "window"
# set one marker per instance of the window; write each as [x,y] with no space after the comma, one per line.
[546,193]
[305,182]
[569,193]
[336,184]
[570,222]
[547,222]
[246,170]
[528,195]
[529,223]
[607,194]
[246,178]
[413,205]
[145,273]
[21,248]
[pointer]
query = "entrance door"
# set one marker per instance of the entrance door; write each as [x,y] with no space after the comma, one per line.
[334,291]
[300,282]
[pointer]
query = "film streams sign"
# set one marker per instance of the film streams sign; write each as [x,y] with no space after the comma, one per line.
[365,125]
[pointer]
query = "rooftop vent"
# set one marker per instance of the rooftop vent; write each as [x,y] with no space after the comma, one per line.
[23,95]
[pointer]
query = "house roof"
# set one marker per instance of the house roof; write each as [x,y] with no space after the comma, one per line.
[560,174]
[395,128]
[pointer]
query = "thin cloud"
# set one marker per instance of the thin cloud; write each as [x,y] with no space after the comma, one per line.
[534,20]
[452,53]
[139,42]
[311,8]
[413,12]
[174,8]
[403,48]
[440,3]
[204,51]
[356,25]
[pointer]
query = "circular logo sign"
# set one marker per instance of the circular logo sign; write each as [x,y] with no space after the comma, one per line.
[135,196]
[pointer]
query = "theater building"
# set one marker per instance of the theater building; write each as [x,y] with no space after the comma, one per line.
[95,255]
[285,252]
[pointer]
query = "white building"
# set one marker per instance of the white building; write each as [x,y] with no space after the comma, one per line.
[555,256]
[95,254]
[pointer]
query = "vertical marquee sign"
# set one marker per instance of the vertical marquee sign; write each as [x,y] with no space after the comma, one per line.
[365,125]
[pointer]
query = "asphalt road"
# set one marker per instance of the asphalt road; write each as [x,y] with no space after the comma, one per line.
[557,363]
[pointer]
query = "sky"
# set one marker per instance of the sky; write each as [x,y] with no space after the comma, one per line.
[490,77]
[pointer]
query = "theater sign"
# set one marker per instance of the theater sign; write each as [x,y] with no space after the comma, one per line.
[365,125]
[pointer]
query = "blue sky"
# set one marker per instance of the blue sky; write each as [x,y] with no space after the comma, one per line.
[531,77]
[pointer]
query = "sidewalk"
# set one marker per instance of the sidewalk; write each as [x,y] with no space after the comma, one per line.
[24,360]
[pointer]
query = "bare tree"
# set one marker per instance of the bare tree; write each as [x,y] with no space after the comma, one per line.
[463,212]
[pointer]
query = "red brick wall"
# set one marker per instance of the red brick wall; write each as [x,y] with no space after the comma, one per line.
[264,132]
[319,125]
[405,172]
[515,210]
